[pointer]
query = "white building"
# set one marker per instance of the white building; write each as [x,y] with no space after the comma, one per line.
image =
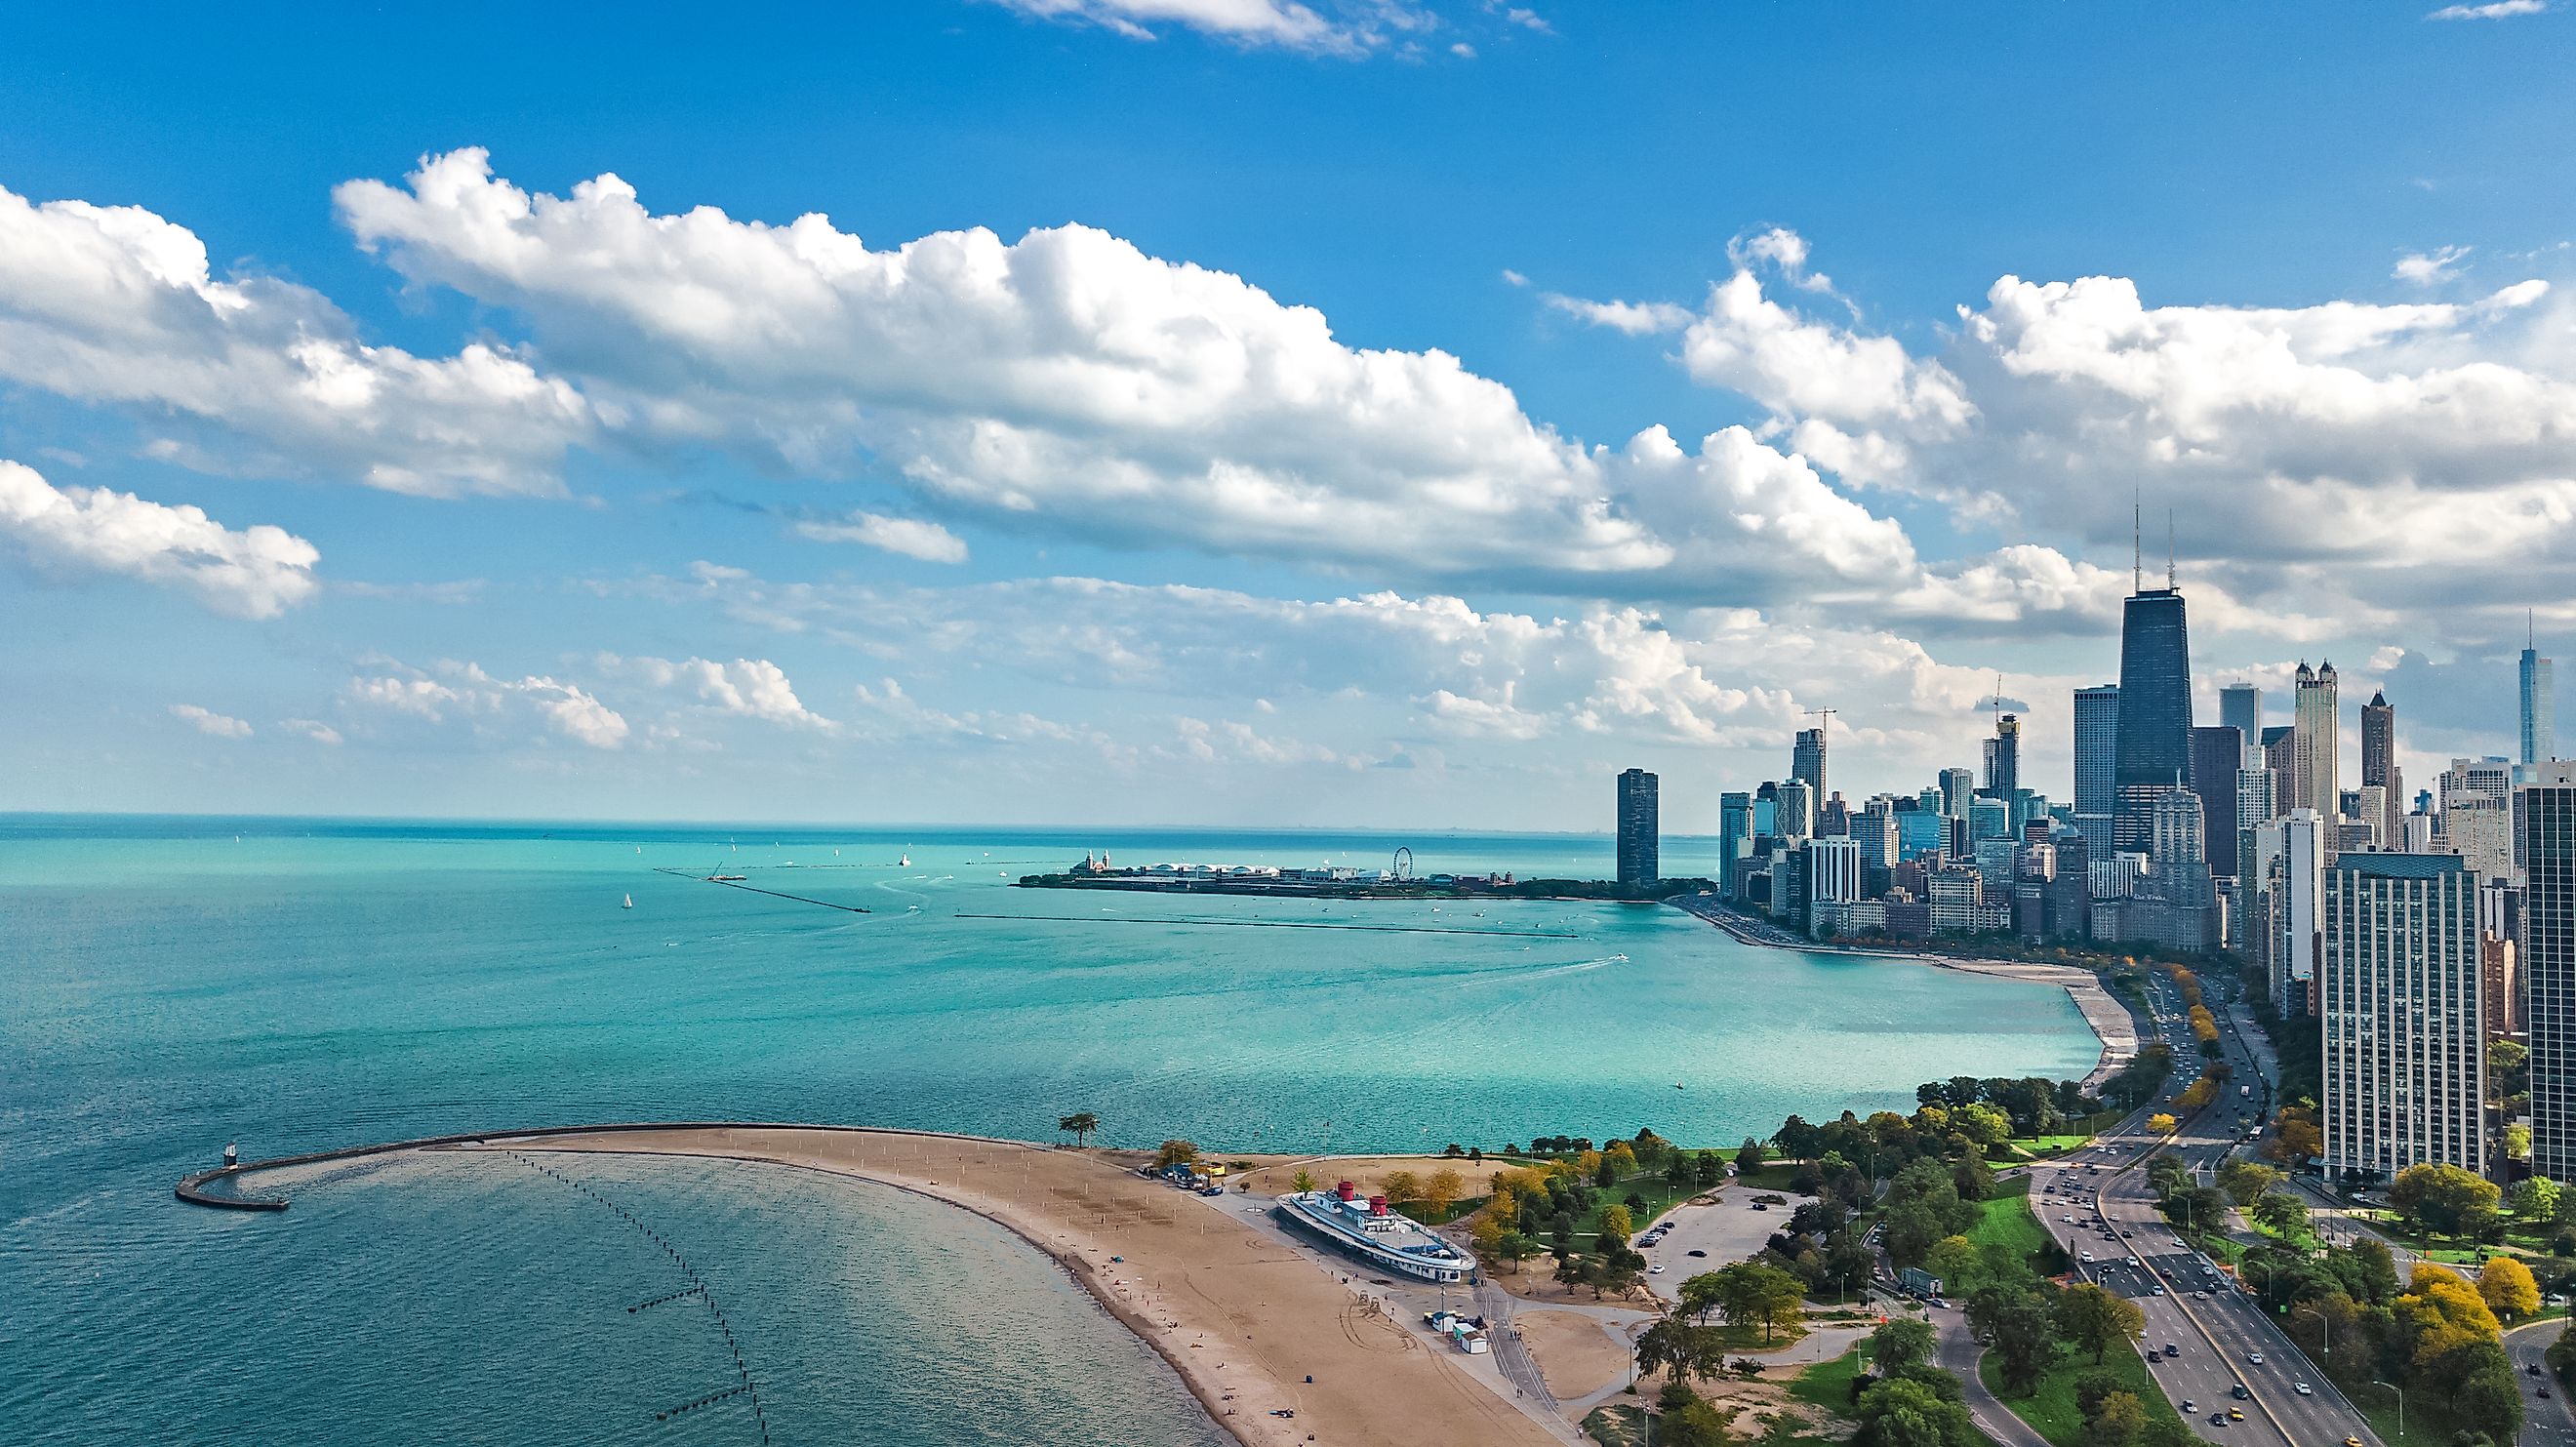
[2297,888]
[2402,1000]
[1833,870]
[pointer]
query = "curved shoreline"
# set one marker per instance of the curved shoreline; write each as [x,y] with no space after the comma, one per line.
[1250,1325]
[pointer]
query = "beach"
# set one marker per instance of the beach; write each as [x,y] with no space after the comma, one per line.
[1244,1319]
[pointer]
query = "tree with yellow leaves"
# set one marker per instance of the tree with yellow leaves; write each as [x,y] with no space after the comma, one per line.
[1442,1190]
[2507,1287]
[1401,1186]
[2161,1124]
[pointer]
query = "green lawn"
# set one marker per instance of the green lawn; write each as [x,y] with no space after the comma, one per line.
[2005,1218]
[2050,1408]
[1828,1384]
[2051,1145]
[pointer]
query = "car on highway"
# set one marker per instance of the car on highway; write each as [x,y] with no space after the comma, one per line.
[2187,1407]
[2303,1389]
[2218,1419]
[2240,1393]
[2256,1358]
[2172,1350]
[2236,1414]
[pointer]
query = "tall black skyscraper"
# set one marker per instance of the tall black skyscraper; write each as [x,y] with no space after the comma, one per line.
[2216,756]
[2155,710]
[1640,830]
[1807,761]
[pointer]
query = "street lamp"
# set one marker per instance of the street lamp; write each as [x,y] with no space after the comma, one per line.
[2401,1403]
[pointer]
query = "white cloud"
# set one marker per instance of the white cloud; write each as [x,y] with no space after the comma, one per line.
[113,304]
[2424,268]
[208,722]
[1799,366]
[909,537]
[314,729]
[2497,10]
[747,687]
[466,690]
[1637,319]
[257,572]
[1284,23]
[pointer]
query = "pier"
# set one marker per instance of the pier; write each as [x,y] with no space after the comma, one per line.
[1385,929]
[772,893]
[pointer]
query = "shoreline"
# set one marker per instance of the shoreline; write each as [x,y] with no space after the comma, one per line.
[2112,1024]
[1184,1275]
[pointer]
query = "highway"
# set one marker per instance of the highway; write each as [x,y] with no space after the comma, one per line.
[2205,1331]
[2550,1421]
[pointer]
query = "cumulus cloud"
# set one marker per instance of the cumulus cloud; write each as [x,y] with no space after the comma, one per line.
[748,687]
[314,729]
[2424,268]
[466,691]
[256,572]
[116,305]
[207,721]
[908,537]
[1637,319]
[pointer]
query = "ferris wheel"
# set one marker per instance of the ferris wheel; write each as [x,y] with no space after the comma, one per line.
[1402,870]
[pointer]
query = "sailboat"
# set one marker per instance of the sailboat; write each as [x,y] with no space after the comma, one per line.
[904,863]
[629,904]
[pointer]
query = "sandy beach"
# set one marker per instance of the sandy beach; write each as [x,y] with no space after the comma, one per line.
[1244,1319]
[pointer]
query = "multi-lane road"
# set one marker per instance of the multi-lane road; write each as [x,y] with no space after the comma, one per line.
[2215,1354]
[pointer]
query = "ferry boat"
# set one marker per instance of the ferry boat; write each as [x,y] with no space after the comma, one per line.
[1365,1228]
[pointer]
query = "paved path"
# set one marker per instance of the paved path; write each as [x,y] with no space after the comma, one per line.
[1958,1355]
[1510,1352]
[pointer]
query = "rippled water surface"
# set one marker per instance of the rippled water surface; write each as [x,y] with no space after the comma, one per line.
[167,985]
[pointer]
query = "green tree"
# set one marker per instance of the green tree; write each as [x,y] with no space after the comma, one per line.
[2120,1422]
[1911,1412]
[1304,1180]
[2096,1320]
[2281,1213]
[1901,1345]
[2246,1181]
[2023,1332]
[1750,1156]
[1983,1125]
[2562,1355]
[1615,1221]
[1079,1125]
[2441,1197]
[2536,1199]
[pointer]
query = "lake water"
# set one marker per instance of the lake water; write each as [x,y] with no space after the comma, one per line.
[168,985]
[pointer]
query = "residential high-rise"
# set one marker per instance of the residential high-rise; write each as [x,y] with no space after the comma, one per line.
[2317,747]
[2256,804]
[2154,750]
[2217,757]
[1796,817]
[1640,830]
[2240,707]
[2003,759]
[2539,707]
[1807,762]
[1957,787]
[2401,992]
[2296,886]
[2097,750]
[1833,871]
[2379,769]
[2546,823]
[1734,840]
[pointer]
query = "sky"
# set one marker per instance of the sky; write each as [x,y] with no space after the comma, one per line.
[1351,413]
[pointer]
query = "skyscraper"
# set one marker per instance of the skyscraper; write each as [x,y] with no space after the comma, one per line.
[2546,824]
[2315,778]
[1808,762]
[2240,706]
[2217,757]
[2379,769]
[2539,707]
[1640,830]
[1734,839]
[2154,751]
[1957,786]
[2401,989]
[1796,816]
[2003,759]
[2097,748]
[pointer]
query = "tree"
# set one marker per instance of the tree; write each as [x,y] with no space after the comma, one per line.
[1911,1412]
[1176,1153]
[2096,1320]
[2562,1355]
[1078,1125]
[2440,1197]
[2120,1422]
[1304,1180]
[1442,1190]
[2295,1136]
[2281,1213]
[1517,1248]
[2020,1326]
[1982,1124]
[1953,1259]
[2161,1124]
[2505,1284]
[1749,1157]
[2246,1181]
[1401,1186]
[1615,1221]
[2536,1199]
[1901,1345]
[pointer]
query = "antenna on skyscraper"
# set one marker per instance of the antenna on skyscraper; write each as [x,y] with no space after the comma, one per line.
[2137,546]
[2169,550]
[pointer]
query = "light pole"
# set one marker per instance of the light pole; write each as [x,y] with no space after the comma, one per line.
[2401,1403]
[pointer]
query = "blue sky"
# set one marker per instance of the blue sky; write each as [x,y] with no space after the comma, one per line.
[1303,484]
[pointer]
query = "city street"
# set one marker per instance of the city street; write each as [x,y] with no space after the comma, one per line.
[2206,1332]
[2550,1421]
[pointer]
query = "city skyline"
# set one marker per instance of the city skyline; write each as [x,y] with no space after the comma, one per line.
[831,451]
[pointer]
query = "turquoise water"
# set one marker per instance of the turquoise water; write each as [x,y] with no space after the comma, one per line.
[168,985]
